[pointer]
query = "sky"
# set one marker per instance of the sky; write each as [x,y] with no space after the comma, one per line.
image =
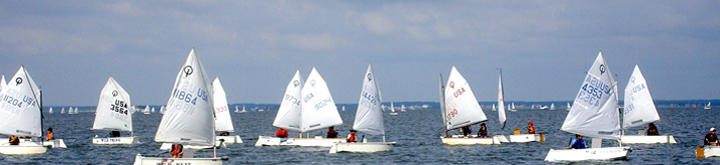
[544,48]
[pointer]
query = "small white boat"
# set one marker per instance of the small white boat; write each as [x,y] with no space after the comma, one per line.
[223,122]
[707,107]
[393,112]
[76,110]
[552,106]
[113,114]
[152,110]
[62,111]
[594,114]
[402,108]
[21,112]
[707,151]
[516,137]
[318,111]
[368,119]
[50,110]
[568,106]
[189,119]
[146,110]
[243,110]
[639,110]
[460,108]
[493,108]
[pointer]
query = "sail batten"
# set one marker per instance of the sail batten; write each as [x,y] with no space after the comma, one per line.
[595,110]
[112,112]
[368,118]
[461,106]
[189,118]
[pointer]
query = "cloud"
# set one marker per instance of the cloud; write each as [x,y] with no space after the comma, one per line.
[322,41]
[377,23]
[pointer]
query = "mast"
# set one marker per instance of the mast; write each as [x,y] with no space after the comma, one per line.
[442,103]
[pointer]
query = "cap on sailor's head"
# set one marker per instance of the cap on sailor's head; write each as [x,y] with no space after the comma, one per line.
[712,129]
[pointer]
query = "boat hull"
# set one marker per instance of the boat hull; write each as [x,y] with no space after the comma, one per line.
[458,140]
[22,149]
[609,153]
[115,140]
[303,142]
[141,160]
[524,138]
[708,151]
[230,139]
[167,146]
[57,143]
[639,139]
[361,147]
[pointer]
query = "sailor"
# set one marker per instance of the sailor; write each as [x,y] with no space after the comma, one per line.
[578,142]
[483,130]
[530,128]
[176,151]
[281,133]
[50,135]
[711,139]
[115,133]
[331,133]
[652,130]
[466,130]
[351,137]
[224,133]
[14,140]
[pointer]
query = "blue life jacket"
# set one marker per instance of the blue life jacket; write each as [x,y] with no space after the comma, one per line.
[578,144]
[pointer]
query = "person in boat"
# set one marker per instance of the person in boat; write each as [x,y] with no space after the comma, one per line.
[176,151]
[351,137]
[711,138]
[466,130]
[483,130]
[281,133]
[331,133]
[578,142]
[652,130]
[115,133]
[50,135]
[224,133]
[530,128]
[14,140]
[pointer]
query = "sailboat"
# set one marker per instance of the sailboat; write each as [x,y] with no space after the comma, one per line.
[493,108]
[243,110]
[639,110]
[146,110]
[343,108]
[317,107]
[223,122]
[512,107]
[236,109]
[76,110]
[112,113]
[50,110]
[392,109]
[460,108]
[21,115]
[568,106]
[402,108]
[707,107]
[552,106]
[594,114]
[517,137]
[70,111]
[152,110]
[62,111]
[368,119]
[162,110]
[189,119]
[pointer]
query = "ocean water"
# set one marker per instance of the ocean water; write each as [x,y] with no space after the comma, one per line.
[416,132]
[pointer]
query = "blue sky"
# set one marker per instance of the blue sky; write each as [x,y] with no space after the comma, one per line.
[70,48]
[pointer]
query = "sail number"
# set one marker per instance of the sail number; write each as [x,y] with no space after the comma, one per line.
[187,97]
[119,107]
[221,109]
[292,99]
[12,101]
[452,114]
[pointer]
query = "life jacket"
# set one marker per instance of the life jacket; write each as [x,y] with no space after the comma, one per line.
[50,136]
[531,130]
[579,144]
[351,138]
[176,149]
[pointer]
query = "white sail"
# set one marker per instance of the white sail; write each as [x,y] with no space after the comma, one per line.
[442,101]
[594,112]
[50,110]
[223,122]
[3,83]
[552,106]
[318,108]
[189,117]
[461,106]
[501,103]
[288,115]
[639,106]
[19,108]
[62,111]
[76,110]
[392,107]
[112,112]
[369,115]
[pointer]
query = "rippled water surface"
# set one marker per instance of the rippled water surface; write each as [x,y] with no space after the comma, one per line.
[416,132]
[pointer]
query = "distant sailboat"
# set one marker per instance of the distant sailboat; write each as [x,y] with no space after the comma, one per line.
[152,110]
[568,106]
[512,107]
[50,111]
[62,111]
[236,109]
[343,108]
[707,107]
[146,110]
[76,110]
[243,110]
[223,121]
[493,108]
[393,112]
[162,110]
[552,106]
[402,108]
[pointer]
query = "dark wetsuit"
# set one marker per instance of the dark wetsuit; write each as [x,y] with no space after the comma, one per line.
[710,138]
[482,132]
[578,144]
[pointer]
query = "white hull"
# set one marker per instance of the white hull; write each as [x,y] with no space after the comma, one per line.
[393,113]
[57,143]
[709,151]
[361,147]
[303,142]
[524,138]
[609,153]
[141,160]
[22,149]
[230,139]
[638,139]
[458,140]
[166,146]
[115,140]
